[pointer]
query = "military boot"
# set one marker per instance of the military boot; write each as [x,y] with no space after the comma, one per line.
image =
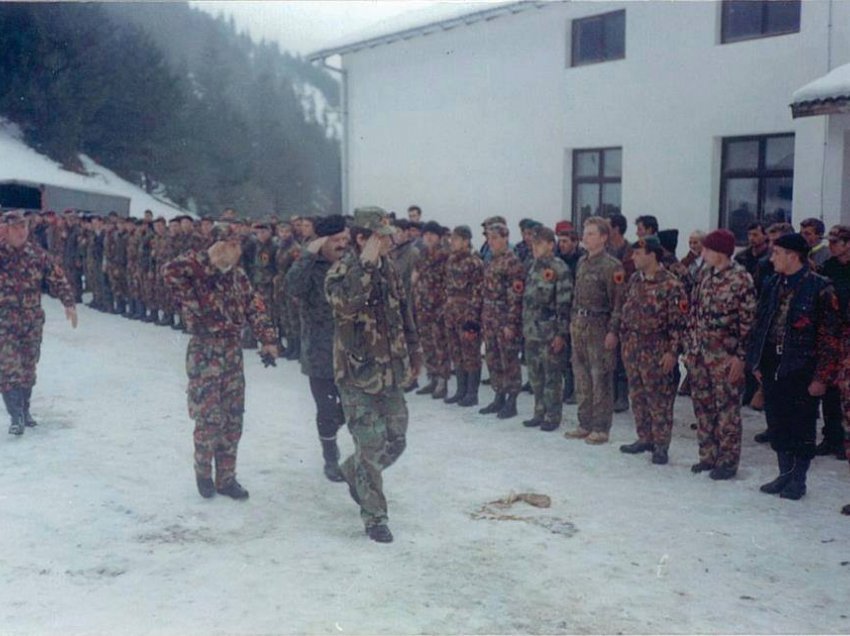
[233,489]
[380,533]
[472,382]
[621,396]
[462,377]
[293,350]
[166,320]
[14,405]
[508,408]
[440,389]
[428,388]
[26,396]
[786,467]
[330,451]
[796,486]
[495,406]
[206,487]
[149,316]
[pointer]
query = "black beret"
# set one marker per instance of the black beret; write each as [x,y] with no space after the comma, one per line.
[669,239]
[329,225]
[433,227]
[794,242]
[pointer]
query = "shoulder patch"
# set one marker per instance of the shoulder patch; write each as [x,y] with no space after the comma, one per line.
[619,277]
[548,274]
[683,305]
[518,286]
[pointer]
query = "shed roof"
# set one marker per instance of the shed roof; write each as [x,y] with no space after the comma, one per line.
[826,95]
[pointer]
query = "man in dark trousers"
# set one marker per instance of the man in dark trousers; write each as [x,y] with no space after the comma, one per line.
[794,354]
[305,281]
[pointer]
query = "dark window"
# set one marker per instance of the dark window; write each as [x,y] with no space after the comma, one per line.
[599,38]
[597,177]
[748,19]
[757,182]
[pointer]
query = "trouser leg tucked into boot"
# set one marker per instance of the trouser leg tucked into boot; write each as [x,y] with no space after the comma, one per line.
[461,388]
[13,400]
[508,408]
[472,382]
[495,406]
[796,486]
[330,451]
[786,465]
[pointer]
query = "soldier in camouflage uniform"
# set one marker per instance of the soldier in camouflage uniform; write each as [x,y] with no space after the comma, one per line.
[73,255]
[429,294]
[165,249]
[147,268]
[283,262]
[501,321]
[722,310]
[464,273]
[94,266]
[546,305]
[134,278]
[597,302]
[216,300]
[24,269]
[264,266]
[288,305]
[375,355]
[651,331]
[115,257]
[306,282]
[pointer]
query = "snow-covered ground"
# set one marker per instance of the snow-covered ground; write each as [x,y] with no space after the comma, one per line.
[103,532]
[21,162]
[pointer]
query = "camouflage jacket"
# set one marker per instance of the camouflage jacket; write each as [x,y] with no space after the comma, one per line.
[429,290]
[305,282]
[23,272]
[404,258]
[213,303]
[115,249]
[599,289]
[94,251]
[264,266]
[502,289]
[656,309]
[722,310]
[546,300]
[134,243]
[464,274]
[163,251]
[374,334]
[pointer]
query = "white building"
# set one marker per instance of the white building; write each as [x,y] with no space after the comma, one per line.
[552,110]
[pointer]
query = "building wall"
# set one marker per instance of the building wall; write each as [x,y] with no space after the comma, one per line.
[482,119]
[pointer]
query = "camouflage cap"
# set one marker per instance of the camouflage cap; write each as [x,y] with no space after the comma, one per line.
[529,224]
[543,234]
[498,228]
[649,243]
[463,231]
[490,220]
[373,218]
[839,233]
[13,217]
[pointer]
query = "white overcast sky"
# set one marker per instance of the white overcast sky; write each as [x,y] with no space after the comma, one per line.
[304,26]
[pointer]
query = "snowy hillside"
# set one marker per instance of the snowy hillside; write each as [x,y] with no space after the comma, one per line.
[19,161]
[104,533]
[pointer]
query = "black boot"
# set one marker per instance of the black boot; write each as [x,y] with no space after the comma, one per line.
[495,406]
[786,466]
[796,486]
[428,388]
[659,455]
[206,487]
[508,408]
[166,320]
[569,386]
[762,438]
[534,421]
[233,489]
[472,382]
[462,377]
[149,316]
[440,389]
[621,396]
[26,397]
[330,451]
[637,447]
[14,405]
[293,349]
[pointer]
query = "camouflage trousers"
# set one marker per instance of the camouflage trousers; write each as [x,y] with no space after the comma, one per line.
[378,425]
[74,274]
[464,351]
[593,368]
[546,375]
[20,347]
[216,396]
[717,407]
[432,332]
[652,393]
[117,281]
[501,354]
[134,284]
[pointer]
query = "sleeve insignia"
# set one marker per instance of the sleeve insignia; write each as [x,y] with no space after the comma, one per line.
[548,275]
[619,277]
[518,286]
[683,305]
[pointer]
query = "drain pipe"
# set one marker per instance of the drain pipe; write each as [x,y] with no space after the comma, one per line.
[343,151]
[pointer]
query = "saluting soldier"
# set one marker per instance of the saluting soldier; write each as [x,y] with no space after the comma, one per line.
[546,304]
[595,323]
[653,321]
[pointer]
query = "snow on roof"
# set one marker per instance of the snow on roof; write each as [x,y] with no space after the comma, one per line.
[441,16]
[832,86]
[22,163]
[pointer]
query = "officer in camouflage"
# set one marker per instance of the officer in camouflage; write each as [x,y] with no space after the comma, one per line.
[501,320]
[651,331]
[546,305]
[597,303]
[305,282]
[721,314]
[24,269]
[375,356]
[464,273]
[216,301]
[429,295]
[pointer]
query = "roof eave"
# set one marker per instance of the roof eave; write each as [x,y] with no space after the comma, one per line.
[831,106]
[428,28]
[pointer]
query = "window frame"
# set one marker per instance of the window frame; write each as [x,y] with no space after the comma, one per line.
[763,33]
[600,179]
[762,173]
[574,24]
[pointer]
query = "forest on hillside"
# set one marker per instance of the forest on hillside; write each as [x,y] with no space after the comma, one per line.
[174,100]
